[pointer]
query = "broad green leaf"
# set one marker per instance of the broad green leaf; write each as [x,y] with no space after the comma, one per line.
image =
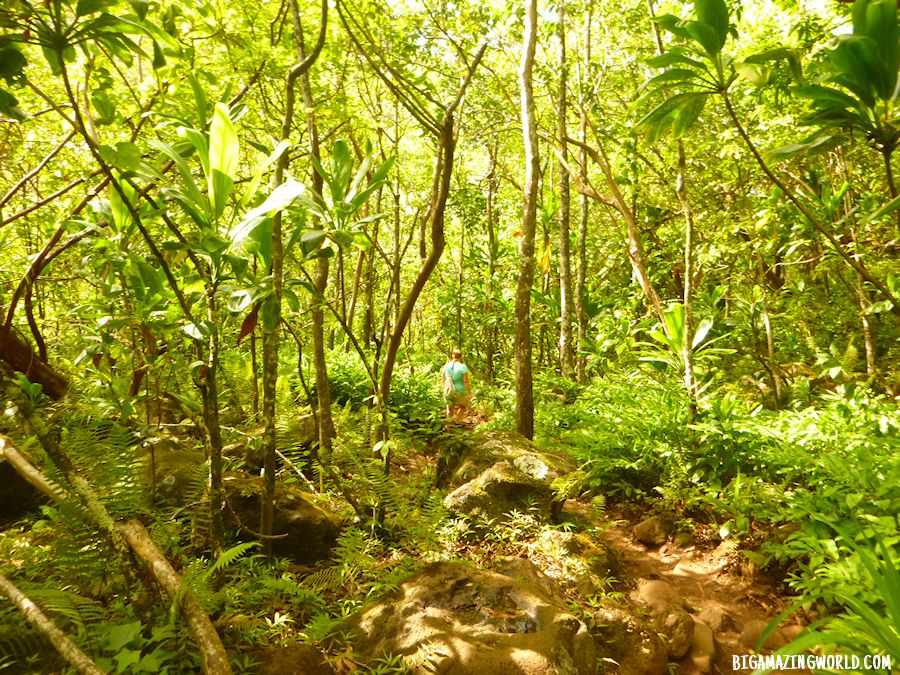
[106,109]
[684,76]
[199,100]
[272,157]
[705,36]
[261,244]
[311,240]
[223,159]
[341,165]
[673,24]
[817,143]
[192,192]
[280,198]
[713,13]
[12,65]
[890,207]
[687,114]
[125,156]
[675,56]
[755,73]
[680,111]
[701,332]
[9,106]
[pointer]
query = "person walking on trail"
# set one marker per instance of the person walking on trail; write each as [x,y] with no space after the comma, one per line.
[455,386]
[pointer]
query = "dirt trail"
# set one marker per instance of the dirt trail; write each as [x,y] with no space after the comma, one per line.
[711,584]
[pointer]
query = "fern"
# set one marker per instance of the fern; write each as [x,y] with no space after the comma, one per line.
[227,558]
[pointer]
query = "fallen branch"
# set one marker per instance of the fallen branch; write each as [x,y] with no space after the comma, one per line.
[215,660]
[45,626]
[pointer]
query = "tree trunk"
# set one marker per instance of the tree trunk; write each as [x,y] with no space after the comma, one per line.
[491,326]
[272,317]
[566,353]
[581,241]
[19,356]
[524,390]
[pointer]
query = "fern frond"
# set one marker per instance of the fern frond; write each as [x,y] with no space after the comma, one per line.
[227,558]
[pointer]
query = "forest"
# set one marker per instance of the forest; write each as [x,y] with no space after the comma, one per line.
[240,242]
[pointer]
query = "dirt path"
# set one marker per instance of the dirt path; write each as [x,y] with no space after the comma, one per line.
[712,584]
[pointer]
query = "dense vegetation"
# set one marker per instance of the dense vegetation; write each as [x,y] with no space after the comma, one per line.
[665,237]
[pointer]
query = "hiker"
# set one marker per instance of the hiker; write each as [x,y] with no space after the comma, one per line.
[455,386]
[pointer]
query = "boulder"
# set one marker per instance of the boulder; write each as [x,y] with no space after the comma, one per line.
[297,438]
[703,647]
[753,631]
[309,531]
[626,645]
[668,615]
[472,456]
[496,472]
[290,660]
[575,560]
[454,618]
[18,497]
[653,531]
[176,467]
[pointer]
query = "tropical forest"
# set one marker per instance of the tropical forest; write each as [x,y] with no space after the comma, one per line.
[450,337]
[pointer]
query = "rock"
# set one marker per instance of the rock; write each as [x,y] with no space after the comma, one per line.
[626,646]
[753,631]
[668,615]
[291,660]
[296,440]
[716,618]
[18,497]
[496,472]
[454,618]
[311,531]
[653,531]
[482,450]
[499,490]
[703,647]
[176,468]
[575,561]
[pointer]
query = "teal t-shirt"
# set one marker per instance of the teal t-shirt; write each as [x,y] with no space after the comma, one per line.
[455,371]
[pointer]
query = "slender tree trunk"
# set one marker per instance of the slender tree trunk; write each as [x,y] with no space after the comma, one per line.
[524,388]
[581,242]
[272,314]
[491,327]
[566,353]
[460,280]
[317,312]
[209,393]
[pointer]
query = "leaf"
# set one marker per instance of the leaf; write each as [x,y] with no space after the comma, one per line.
[248,324]
[673,24]
[118,636]
[311,240]
[675,56]
[9,106]
[754,73]
[125,156]
[341,164]
[192,193]
[679,111]
[816,143]
[705,36]
[279,199]
[713,13]
[199,100]
[223,159]
[702,331]
[890,207]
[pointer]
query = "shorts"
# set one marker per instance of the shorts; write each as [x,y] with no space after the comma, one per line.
[456,398]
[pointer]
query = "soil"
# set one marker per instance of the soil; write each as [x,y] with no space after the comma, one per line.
[715,584]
